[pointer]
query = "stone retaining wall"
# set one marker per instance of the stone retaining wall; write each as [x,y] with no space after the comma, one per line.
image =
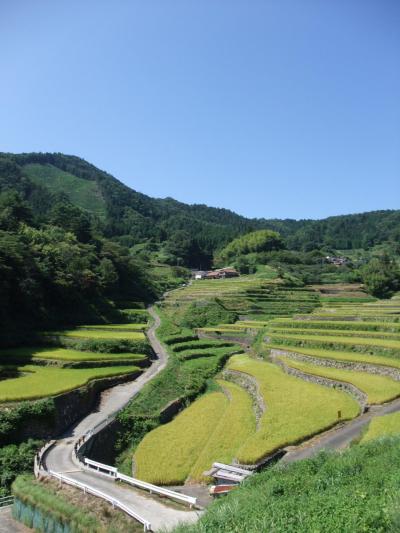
[348,365]
[360,396]
[67,409]
[250,384]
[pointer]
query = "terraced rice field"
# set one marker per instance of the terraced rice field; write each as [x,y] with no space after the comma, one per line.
[343,337]
[167,454]
[356,343]
[96,334]
[379,389]
[338,355]
[40,381]
[64,355]
[116,327]
[251,297]
[354,334]
[295,409]
[218,425]
[349,327]
[382,426]
[34,372]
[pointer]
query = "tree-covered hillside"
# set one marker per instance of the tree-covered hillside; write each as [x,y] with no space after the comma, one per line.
[174,232]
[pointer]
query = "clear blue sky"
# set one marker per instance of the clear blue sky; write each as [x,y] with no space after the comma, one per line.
[272,108]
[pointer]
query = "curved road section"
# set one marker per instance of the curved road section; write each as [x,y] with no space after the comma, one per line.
[60,457]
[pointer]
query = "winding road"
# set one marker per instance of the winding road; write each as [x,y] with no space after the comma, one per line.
[60,457]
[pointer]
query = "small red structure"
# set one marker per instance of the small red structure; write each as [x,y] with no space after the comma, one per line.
[219,490]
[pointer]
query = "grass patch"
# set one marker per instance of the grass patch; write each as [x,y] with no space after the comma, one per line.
[382,426]
[354,491]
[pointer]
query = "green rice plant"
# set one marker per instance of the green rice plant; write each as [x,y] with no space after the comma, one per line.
[382,426]
[177,339]
[296,409]
[338,355]
[209,344]
[40,381]
[9,355]
[207,352]
[96,334]
[167,454]
[379,389]
[235,426]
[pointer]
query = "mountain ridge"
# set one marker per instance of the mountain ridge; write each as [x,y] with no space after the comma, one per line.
[134,217]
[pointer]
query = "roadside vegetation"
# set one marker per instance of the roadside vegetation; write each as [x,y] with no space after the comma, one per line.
[356,490]
[44,504]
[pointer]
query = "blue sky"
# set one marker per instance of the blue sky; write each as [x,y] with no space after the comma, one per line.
[271,108]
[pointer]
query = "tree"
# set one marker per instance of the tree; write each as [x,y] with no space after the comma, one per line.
[255,242]
[381,277]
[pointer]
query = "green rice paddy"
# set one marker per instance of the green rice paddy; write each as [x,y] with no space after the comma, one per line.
[40,381]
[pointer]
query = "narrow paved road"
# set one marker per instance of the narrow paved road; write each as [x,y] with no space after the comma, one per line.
[9,525]
[60,459]
[339,437]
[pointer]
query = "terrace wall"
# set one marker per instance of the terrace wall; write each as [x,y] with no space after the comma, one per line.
[65,410]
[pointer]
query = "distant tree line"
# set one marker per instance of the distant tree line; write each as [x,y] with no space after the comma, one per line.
[190,235]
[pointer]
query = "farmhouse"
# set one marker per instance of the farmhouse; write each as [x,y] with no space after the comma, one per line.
[227,272]
[337,260]
[199,274]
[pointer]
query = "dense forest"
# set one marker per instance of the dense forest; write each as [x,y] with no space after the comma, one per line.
[73,239]
[171,231]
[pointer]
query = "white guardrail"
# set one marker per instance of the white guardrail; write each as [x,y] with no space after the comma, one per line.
[111,471]
[6,501]
[114,502]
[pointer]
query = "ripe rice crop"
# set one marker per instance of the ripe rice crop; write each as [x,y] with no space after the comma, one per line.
[384,347]
[339,355]
[40,381]
[379,389]
[295,409]
[167,454]
[337,324]
[236,425]
[338,332]
[382,426]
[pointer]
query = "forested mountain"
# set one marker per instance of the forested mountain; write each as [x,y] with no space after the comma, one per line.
[182,234]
